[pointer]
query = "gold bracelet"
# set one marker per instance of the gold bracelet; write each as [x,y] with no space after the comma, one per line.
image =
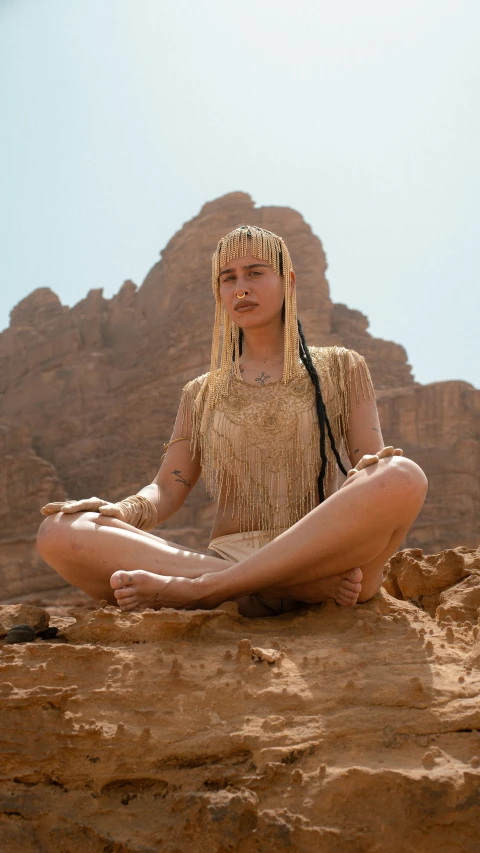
[141,512]
[167,445]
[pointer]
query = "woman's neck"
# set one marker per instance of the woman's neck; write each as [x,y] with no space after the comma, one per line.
[260,345]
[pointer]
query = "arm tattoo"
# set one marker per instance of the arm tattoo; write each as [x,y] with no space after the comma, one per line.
[262,378]
[181,479]
[357,450]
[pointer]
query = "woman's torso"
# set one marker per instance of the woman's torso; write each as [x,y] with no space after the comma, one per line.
[260,444]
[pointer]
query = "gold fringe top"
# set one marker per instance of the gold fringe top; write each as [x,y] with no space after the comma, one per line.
[260,446]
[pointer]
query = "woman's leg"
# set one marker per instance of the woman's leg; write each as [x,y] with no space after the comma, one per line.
[86,548]
[360,525]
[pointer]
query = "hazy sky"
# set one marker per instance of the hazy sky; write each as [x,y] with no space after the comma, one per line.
[120,118]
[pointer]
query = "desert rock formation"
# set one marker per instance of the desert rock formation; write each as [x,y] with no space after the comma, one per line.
[331,729]
[88,395]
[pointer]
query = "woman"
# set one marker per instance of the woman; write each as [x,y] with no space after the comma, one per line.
[267,427]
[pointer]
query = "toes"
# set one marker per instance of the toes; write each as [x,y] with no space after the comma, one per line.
[347,598]
[354,575]
[346,602]
[121,579]
[124,592]
[129,605]
[349,586]
[348,593]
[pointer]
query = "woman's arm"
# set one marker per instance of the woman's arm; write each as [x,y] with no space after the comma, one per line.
[364,433]
[176,478]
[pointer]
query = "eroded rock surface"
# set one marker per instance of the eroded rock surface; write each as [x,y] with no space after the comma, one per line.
[326,730]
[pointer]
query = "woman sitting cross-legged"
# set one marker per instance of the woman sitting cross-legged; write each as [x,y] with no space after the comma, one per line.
[267,427]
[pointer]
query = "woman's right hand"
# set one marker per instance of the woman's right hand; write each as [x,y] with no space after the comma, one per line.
[85,505]
[368,460]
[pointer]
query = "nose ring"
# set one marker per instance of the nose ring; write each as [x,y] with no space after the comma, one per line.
[242,296]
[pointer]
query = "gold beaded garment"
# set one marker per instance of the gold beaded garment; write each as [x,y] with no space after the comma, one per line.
[260,445]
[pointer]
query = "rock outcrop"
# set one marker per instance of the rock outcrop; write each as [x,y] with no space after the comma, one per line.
[89,394]
[331,729]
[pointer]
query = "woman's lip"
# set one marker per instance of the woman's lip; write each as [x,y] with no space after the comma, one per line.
[246,307]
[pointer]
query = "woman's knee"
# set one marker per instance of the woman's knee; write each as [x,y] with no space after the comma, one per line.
[57,533]
[407,477]
[50,536]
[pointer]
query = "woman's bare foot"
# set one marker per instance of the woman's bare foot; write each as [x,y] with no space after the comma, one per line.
[344,588]
[139,590]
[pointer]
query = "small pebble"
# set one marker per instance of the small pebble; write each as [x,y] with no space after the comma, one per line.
[21,634]
[428,761]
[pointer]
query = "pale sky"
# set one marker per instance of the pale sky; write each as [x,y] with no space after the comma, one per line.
[119,119]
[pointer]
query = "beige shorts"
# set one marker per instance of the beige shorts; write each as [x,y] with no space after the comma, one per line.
[237,547]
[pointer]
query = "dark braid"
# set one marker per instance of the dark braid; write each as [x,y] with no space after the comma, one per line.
[323,420]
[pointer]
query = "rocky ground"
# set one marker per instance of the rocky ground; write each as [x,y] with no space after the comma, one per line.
[332,730]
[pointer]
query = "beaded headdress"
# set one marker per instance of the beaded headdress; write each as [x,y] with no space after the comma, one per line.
[270,248]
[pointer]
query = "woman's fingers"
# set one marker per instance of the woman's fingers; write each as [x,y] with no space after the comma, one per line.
[112,511]
[85,505]
[88,504]
[366,461]
[385,451]
[389,451]
[53,507]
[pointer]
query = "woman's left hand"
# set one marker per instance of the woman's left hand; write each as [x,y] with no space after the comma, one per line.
[367,460]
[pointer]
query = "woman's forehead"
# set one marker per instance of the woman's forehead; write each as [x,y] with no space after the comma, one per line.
[244,262]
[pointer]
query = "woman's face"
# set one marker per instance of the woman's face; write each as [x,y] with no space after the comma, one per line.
[263,288]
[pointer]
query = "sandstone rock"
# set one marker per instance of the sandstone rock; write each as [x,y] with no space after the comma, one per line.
[445,584]
[174,731]
[461,602]
[415,575]
[18,614]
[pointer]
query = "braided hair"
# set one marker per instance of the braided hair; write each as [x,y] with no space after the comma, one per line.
[323,421]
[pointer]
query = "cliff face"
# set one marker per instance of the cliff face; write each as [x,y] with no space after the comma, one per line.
[89,394]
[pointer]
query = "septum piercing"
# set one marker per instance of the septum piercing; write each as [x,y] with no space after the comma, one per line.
[243,295]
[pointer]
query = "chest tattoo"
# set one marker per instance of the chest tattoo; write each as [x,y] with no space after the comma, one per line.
[262,378]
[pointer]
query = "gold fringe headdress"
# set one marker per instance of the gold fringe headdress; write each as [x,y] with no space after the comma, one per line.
[270,248]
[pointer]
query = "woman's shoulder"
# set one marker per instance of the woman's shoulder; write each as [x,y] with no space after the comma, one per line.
[197,381]
[339,368]
[329,356]
[195,385]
